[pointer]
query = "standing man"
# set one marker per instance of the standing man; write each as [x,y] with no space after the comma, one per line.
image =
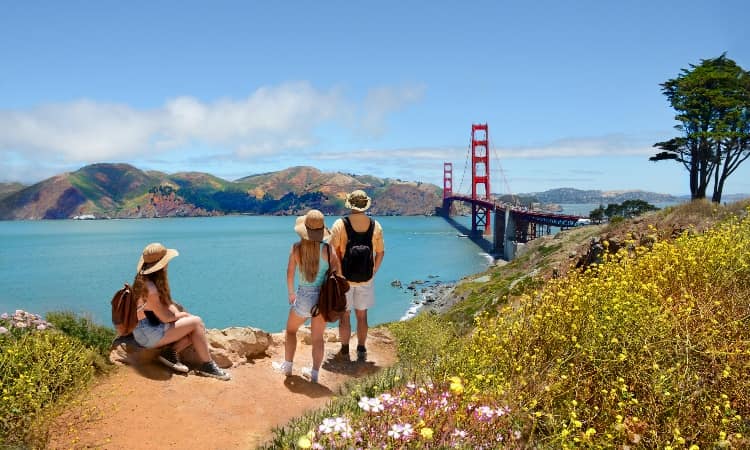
[359,239]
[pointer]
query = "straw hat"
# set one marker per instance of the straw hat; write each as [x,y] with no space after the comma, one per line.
[312,226]
[358,201]
[156,254]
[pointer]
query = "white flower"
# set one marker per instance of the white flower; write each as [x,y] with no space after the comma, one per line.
[327,426]
[370,404]
[4,316]
[41,326]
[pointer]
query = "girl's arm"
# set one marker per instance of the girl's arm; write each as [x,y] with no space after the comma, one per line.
[176,311]
[162,311]
[290,268]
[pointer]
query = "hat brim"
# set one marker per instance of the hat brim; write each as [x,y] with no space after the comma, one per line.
[162,263]
[356,208]
[317,235]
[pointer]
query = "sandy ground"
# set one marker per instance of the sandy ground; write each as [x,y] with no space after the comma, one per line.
[147,406]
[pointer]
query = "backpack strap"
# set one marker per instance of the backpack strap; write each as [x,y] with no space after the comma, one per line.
[350,230]
[327,246]
[348,226]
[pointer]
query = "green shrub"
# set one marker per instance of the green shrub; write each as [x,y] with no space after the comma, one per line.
[37,369]
[84,329]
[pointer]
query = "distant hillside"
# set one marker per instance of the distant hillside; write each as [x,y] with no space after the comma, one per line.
[9,188]
[123,191]
[570,195]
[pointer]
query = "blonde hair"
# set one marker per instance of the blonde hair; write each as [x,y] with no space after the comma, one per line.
[309,258]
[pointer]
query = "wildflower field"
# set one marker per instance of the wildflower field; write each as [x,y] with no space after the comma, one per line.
[648,349]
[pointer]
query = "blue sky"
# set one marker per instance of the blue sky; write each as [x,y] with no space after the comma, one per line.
[570,90]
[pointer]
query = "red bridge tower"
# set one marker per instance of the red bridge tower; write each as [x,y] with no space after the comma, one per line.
[480,178]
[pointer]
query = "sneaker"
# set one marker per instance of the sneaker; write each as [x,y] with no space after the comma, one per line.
[343,354]
[210,369]
[283,367]
[361,353]
[169,358]
[310,374]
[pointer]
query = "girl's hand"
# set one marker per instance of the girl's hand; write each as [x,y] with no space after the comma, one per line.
[292,298]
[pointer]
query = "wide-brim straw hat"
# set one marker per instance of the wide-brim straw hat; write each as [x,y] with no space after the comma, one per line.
[312,226]
[358,201]
[156,254]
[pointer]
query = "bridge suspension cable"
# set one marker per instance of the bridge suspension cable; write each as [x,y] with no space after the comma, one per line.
[496,156]
[463,174]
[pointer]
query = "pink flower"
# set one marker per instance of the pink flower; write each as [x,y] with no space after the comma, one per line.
[3,330]
[41,326]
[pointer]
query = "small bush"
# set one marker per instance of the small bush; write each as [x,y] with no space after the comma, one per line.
[37,369]
[84,329]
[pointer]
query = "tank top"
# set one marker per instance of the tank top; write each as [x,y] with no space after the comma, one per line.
[322,269]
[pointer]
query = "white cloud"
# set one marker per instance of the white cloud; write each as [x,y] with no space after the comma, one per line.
[589,146]
[273,119]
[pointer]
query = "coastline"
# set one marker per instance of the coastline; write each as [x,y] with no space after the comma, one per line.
[433,295]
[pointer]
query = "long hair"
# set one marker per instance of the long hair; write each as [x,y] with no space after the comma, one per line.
[159,278]
[309,258]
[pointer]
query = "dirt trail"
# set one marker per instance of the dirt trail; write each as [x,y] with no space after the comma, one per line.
[150,407]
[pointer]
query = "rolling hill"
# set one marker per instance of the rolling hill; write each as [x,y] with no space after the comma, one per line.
[122,191]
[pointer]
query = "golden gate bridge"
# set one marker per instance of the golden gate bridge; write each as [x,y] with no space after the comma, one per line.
[513,223]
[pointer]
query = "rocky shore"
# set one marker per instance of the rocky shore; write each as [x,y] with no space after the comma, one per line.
[431,294]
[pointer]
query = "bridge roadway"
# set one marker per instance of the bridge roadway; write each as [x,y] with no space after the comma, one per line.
[542,218]
[513,225]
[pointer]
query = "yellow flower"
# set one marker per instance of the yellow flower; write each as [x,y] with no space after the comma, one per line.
[426,433]
[304,442]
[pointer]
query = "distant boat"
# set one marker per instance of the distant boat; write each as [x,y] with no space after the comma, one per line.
[462,235]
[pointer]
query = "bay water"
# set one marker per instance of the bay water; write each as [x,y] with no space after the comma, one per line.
[231,270]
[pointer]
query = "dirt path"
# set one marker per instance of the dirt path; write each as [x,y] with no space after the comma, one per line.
[150,407]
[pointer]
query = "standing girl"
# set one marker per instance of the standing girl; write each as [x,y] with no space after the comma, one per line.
[312,256]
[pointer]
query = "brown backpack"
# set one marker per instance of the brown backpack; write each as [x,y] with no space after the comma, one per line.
[124,316]
[332,300]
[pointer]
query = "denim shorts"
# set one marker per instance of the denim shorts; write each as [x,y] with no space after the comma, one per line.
[307,297]
[148,335]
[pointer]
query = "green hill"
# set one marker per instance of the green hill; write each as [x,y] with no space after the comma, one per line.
[123,191]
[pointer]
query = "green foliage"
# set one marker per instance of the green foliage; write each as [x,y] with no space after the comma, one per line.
[712,101]
[84,329]
[37,370]
[422,342]
[627,209]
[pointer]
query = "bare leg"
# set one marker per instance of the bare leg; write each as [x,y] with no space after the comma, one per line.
[191,327]
[362,326]
[345,328]
[317,326]
[182,344]
[293,323]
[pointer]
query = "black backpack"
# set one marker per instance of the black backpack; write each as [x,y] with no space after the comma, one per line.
[357,262]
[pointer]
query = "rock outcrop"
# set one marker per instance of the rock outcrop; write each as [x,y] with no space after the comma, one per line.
[229,347]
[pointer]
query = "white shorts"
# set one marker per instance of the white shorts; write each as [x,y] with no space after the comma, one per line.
[361,296]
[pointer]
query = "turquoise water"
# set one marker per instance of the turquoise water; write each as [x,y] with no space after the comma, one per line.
[231,270]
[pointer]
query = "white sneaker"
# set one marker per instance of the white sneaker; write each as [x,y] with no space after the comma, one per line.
[283,367]
[310,374]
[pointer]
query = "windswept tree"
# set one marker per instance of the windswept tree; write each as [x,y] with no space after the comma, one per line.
[712,101]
